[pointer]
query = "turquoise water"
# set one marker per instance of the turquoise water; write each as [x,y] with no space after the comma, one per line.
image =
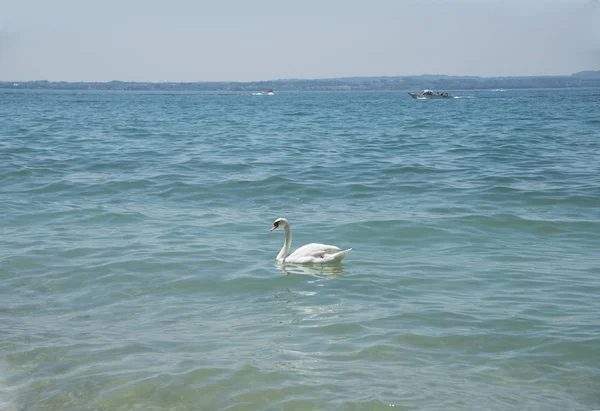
[137,270]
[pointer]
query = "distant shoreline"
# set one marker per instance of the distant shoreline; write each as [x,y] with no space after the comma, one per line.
[399,83]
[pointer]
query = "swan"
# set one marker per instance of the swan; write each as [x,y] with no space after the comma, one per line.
[309,253]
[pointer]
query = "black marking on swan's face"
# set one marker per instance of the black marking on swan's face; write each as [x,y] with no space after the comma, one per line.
[277,223]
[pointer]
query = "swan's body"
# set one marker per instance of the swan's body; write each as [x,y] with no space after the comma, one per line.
[309,253]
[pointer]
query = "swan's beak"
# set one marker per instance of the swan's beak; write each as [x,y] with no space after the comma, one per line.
[273,228]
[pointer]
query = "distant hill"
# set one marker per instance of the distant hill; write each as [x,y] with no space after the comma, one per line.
[438,82]
[588,74]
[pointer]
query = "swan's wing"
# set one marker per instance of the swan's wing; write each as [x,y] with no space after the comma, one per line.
[313,250]
[317,253]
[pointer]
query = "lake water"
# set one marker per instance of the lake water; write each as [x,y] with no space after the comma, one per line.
[137,270]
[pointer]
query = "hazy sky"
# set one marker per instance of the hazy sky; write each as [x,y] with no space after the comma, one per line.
[235,40]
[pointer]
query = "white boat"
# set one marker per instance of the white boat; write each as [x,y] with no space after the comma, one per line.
[268,92]
[428,94]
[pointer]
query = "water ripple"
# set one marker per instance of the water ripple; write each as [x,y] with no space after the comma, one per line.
[137,269]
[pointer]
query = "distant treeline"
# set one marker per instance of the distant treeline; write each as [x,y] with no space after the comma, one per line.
[403,83]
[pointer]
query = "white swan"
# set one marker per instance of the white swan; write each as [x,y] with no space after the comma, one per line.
[310,253]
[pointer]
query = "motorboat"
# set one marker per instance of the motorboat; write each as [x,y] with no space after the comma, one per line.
[267,92]
[428,94]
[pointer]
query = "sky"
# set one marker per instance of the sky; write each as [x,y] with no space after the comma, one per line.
[241,40]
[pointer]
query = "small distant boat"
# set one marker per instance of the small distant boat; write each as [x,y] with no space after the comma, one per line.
[267,92]
[428,94]
[499,89]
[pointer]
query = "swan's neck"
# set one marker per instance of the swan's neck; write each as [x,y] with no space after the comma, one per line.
[286,245]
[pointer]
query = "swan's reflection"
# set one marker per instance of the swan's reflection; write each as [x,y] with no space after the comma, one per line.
[315,270]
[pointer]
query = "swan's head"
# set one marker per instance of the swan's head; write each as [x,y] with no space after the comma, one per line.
[280,222]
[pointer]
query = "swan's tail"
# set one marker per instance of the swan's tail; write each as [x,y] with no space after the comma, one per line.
[339,256]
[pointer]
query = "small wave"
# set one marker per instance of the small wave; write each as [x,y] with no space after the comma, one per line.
[299,114]
[8,393]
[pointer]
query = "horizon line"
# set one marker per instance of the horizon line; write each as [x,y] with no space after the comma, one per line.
[296,78]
